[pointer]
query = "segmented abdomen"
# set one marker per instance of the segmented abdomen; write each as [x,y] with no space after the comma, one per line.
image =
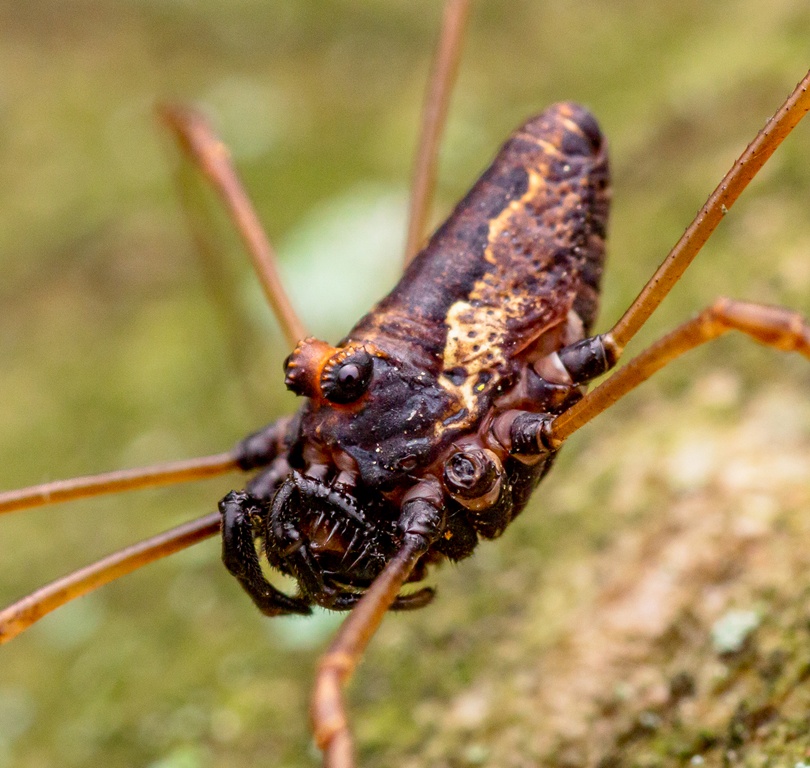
[524,247]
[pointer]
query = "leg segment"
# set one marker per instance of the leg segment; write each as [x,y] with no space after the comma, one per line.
[203,146]
[256,450]
[588,359]
[121,480]
[773,326]
[260,448]
[555,388]
[421,523]
[434,116]
[707,219]
[30,609]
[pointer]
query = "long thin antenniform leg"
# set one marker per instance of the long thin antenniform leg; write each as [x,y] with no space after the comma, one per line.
[716,320]
[328,710]
[221,280]
[204,147]
[434,116]
[22,614]
[773,326]
[121,480]
[721,200]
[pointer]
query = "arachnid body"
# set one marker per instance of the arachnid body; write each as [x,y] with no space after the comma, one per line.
[186,588]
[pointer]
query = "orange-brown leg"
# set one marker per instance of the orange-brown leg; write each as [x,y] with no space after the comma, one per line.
[205,148]
[434,117]
[25,612]
[721,200]
[256,450]
[121,480]
[220,276]
[774,326]
[328,711]
[722,316]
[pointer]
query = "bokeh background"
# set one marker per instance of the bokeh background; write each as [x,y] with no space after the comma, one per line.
[117,350]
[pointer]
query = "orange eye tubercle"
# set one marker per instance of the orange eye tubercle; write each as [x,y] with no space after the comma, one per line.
[303,368]
[340,375]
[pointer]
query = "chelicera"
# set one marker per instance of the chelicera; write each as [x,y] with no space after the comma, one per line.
[427,428]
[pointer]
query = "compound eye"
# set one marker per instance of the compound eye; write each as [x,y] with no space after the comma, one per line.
[346,379]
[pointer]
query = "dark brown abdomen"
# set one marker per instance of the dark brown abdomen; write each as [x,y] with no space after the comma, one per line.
[524,247]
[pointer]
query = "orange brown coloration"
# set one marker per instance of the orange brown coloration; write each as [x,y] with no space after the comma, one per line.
[434,117]
[305,364]
[197,138]
[169,473]
[20,615]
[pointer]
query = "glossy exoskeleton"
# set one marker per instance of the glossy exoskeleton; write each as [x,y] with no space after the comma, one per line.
[426,419]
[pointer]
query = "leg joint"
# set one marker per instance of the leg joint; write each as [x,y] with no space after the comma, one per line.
[589,358]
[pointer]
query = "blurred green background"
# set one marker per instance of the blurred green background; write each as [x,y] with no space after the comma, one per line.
[116,351]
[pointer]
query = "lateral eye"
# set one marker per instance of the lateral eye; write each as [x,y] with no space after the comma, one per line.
[344,380]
